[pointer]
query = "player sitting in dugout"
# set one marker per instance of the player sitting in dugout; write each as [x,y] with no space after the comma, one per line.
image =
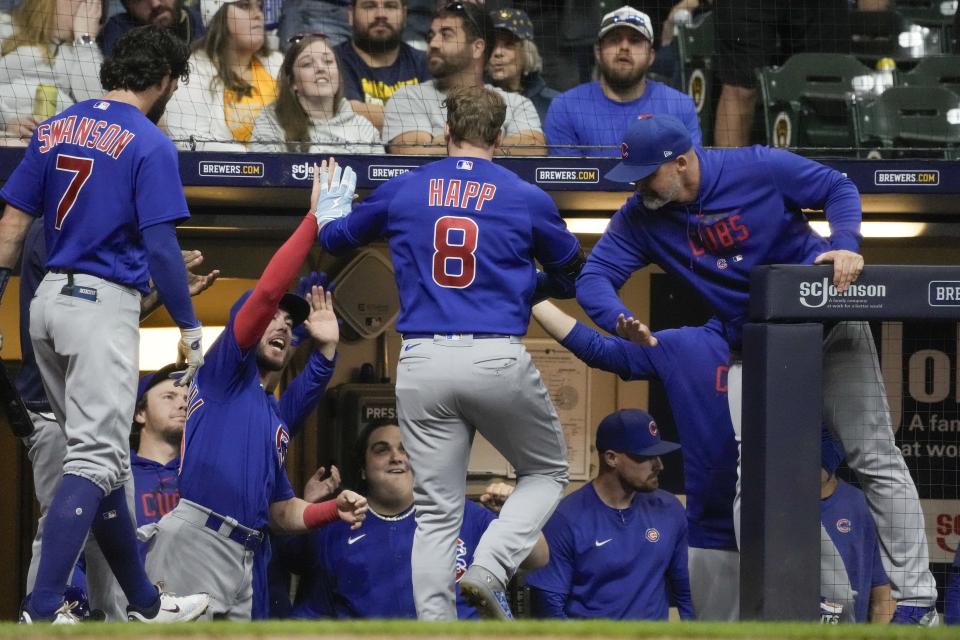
[366,572]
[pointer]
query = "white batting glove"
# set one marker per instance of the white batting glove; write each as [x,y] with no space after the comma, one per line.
[336,198]
[191,349]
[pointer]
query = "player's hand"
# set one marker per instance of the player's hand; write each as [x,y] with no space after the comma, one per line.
[352,508]
[197,283]
[635,331]
[306,283]
[191,350]
[87,18]
[320,488]
[495,495]
[21,127]
[333,190]
[322,324]
[847,266]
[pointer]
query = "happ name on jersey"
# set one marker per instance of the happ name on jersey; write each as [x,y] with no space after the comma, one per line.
[459,192]
[88,133]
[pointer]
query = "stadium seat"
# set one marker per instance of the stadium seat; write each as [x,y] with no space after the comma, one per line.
[936,14]
[934,71]
[909,121]
[696,49]
[891,34]
[809,101]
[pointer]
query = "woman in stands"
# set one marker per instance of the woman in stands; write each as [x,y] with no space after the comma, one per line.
[232,79]
[310,114]
[50,61]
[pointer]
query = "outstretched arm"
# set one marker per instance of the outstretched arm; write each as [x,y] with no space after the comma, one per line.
[296,515]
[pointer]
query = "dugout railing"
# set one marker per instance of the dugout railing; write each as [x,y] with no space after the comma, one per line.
[782,366]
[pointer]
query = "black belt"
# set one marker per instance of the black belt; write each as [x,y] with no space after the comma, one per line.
[475,336]
[251,539]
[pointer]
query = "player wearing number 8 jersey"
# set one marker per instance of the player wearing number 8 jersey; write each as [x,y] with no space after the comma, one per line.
[106,182]
[463,234]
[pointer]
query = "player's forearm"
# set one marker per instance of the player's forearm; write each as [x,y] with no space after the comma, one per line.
[13,229]
[260,307]
[305,391]
[298,516]
[553,320]
[844,213]
[882,604]
[538,557]
[165,263]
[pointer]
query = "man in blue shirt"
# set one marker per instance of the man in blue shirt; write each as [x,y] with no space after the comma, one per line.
[618,545]
[183,21]
[711,216]
[376,62]
[596,114]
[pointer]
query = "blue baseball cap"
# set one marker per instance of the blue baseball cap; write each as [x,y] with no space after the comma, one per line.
[632,431]
[297,307]
[148,381]
[650,141]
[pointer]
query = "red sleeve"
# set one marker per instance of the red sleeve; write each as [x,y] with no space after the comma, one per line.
[259,309]
[319,514]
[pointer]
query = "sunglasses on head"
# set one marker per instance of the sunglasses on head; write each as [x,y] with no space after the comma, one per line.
[637,20]
[300,36]
[460,7]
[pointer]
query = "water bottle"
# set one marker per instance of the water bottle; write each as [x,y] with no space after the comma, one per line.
[884,75]
[45,101]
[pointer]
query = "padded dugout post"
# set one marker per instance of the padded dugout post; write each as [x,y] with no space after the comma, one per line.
[780,461]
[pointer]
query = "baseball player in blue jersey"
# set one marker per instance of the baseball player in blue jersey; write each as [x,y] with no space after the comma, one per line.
[365,573]
[232,477]
[99,174]
[711,216]
[846,519]
[691,362]
[463,234]
[618,545]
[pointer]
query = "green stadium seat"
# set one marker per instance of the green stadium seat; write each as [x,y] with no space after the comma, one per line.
[910,122]
[810,102]
[935,14]
[934,71]
[696,49]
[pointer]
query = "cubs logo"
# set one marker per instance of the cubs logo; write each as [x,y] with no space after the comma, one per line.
[644,116]
[654,431]
[283,441]
[460,567]
[652,534]
[624,150]
[843,525]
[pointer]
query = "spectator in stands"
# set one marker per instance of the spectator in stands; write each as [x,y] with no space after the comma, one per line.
[310,114]
[375,62]
[515,63]
[365,573]
[746,39]
[460,43]
[847,520]
[595,115]
[565,34]
[49,62]
[329,17]
[232,79]
[183,20]
[618,545]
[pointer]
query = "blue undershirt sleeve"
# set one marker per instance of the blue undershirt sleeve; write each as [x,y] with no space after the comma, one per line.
[168,272]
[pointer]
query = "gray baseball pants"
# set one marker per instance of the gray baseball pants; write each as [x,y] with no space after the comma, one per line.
[448,388]
[715,583]
[189,557]
[856,411]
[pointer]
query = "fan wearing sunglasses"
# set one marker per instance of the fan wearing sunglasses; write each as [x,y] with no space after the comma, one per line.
[459,45]
[310,114]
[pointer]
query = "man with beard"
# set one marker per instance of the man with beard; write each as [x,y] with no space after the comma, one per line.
[460,43]
[376,62]
[618,545]
[590,119]
[105,180]
[183,21]
[233,483]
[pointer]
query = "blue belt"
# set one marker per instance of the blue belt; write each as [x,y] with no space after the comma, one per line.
[249,538]
[475,336]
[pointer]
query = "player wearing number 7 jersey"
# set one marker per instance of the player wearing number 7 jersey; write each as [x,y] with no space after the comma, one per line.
[463,234]
[106,182]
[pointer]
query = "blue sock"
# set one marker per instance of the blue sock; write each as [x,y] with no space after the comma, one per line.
[117,538]
[65,530]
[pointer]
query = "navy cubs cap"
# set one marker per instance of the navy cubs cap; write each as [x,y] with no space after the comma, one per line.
[650,141]
[632,431]
[150,380]
[297,307]
[515,21]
